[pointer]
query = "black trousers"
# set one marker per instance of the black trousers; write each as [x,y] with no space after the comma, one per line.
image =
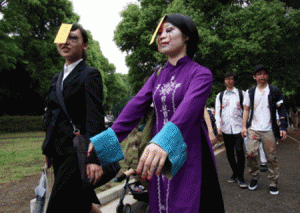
[234,144]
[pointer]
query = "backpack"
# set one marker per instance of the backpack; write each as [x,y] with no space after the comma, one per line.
[241,100]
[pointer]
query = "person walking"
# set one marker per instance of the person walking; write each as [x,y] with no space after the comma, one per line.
[229,116]
[180,142]
[263,100]
[82,92]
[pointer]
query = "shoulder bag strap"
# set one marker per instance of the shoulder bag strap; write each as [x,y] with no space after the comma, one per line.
[157,72]
[241,99]
[221,100]
[61,101]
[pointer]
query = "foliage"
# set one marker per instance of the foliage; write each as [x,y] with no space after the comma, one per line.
[29,58]
[235,35]
[13,124]
[133,35]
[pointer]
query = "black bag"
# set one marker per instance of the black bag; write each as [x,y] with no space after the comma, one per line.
[81,144]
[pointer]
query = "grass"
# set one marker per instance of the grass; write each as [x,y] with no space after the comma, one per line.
[21,155]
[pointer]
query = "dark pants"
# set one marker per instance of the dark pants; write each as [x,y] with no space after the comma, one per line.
[235,143]
[69,194]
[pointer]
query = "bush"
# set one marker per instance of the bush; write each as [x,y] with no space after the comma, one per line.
[14,124]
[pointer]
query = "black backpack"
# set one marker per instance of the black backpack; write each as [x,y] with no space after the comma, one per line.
[241,100]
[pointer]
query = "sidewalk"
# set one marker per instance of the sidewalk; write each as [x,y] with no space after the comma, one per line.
[238,200]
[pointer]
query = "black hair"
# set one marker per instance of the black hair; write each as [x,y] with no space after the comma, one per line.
[229,74]
[85,37]
[188,28]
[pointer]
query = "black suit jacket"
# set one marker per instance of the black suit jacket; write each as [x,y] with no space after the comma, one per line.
[83,96]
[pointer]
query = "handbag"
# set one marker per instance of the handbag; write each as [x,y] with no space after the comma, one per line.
[81,144]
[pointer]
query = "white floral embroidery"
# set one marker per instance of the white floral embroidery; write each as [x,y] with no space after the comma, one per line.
[164,91]
[156,112]
[162,207]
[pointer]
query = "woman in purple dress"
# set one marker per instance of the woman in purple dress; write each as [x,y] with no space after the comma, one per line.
[179,94]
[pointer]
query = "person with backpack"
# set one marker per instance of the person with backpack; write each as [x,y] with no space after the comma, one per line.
[262,101]
[229,115]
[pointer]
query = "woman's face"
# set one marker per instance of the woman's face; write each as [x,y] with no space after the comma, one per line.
[171,41]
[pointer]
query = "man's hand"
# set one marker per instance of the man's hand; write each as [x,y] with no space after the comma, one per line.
[283,135]
[244,132]
[219,131]
[94,172]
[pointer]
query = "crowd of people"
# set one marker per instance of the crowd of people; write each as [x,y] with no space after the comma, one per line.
[178,162]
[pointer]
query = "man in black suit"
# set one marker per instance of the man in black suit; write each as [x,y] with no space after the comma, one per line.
[82,91]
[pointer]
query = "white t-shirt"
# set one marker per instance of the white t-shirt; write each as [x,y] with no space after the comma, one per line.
[261,120]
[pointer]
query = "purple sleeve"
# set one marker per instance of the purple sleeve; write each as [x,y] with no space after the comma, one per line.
[134,110]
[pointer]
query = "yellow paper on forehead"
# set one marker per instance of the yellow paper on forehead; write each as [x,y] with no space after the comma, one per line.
[157,28]
[63,33]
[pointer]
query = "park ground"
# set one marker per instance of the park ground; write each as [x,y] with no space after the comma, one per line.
[15,196]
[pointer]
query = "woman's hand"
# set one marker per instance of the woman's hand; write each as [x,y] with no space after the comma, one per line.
[94,172]
[48,162]
[153,157]
[90,149]
[212,138]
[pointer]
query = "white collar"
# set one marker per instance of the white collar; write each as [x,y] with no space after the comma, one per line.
[266,89]
[69,69]
[234,90]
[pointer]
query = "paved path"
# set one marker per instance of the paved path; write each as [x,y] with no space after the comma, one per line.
[288,200]
[238,200]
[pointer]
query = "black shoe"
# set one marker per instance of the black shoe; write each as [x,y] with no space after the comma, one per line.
[232,180]
[253,184]
[273,190]
[263,167]
[242,183]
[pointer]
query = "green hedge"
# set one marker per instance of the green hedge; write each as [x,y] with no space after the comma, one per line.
[15,124]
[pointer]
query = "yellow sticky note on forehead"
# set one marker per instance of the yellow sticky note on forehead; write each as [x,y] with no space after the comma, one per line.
[63,33]
[157,28]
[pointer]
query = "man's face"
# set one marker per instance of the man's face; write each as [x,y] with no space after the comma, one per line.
[229,82]
[261,77]
[73,48]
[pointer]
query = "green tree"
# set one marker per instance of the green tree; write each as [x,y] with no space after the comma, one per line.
[235,35]
[30,58]
[133,34]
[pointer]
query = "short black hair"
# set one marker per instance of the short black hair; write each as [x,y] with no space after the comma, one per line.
[188,28]
[85,37]
[229,74]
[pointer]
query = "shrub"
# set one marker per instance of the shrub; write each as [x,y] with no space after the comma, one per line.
[14,124]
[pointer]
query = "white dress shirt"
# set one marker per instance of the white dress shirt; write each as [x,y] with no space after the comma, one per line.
[232,114]
[69,69]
